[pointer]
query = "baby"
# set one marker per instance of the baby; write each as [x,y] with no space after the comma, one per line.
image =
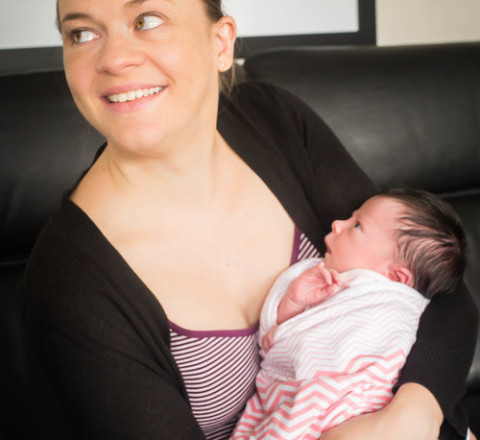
[327,356]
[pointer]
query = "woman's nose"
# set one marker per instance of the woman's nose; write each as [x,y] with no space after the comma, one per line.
[118,53]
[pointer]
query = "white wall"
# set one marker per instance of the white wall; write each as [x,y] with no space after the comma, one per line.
[28,23]
[31,23]
[280,17]
[427,21]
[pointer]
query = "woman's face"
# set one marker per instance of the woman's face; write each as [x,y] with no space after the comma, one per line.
[145,72]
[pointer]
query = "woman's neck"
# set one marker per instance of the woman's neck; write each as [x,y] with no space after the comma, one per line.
[188,173]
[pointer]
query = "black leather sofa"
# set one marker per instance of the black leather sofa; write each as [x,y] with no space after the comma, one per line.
[408,115]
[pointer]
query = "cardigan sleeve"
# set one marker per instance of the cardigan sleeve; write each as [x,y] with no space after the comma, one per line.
[107,357]
[441,357]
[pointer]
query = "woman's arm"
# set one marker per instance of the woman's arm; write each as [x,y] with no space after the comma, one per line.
[413,414]
[442,355]
[432,381]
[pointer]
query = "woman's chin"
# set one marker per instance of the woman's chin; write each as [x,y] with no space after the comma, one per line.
[139,141]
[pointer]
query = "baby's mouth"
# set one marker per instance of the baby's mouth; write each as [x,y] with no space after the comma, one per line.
[133,95]
[327,246]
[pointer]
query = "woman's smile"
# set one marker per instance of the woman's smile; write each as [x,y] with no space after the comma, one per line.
[133,95]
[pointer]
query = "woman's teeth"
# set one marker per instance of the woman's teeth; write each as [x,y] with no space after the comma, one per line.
[134,94]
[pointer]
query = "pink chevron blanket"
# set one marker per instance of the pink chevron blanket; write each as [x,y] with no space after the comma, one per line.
[335,361]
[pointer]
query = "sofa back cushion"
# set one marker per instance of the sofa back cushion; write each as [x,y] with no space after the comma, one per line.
[45,145]
[408,115]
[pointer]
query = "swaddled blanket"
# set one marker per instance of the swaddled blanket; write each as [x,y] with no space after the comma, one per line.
[336,360]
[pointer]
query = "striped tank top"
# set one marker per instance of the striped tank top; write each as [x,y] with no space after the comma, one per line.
[219,367]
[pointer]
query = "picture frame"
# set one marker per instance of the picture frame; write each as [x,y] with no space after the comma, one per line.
[366,35]
[13,61]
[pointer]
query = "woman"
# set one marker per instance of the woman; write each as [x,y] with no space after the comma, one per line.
[145,288]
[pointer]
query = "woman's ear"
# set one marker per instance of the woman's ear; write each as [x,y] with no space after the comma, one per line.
[401,274]
[225,35]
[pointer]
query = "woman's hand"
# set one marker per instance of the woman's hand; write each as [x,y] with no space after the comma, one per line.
[413,414]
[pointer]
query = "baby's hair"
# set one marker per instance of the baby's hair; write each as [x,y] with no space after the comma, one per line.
[431,241]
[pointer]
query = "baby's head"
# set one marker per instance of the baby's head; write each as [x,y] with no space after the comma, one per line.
[410,236]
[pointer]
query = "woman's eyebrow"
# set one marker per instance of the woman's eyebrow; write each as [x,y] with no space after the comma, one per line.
[135,2]
[139,2]
[74,16]
[81,15]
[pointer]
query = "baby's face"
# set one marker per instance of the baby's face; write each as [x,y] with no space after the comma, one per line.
[366,240]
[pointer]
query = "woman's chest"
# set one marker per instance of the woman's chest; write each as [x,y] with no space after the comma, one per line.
[215,281]
[214,272]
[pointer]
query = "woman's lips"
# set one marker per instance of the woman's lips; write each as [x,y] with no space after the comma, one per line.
[133,95]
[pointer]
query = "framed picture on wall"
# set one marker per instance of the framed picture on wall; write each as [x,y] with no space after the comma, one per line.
[264,24]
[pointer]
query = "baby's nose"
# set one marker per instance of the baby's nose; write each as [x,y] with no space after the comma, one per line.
[336,226]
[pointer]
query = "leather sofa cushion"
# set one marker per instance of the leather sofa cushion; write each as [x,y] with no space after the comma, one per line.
[45,145]
[408,115]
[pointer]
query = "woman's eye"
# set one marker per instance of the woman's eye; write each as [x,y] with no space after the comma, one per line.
[358,225]
[82,36]
[148,22]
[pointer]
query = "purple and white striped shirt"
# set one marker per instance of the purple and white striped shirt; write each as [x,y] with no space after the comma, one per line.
[219,367]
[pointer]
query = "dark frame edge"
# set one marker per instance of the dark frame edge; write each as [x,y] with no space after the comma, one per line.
[18,61]
[366,35]
[39,59]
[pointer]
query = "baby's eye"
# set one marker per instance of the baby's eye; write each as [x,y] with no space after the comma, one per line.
[358,225]
[82,36]
[147,22]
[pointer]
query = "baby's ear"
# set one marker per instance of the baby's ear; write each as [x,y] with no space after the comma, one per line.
[400,274]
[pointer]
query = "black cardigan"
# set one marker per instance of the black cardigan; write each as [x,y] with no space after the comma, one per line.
[102,336]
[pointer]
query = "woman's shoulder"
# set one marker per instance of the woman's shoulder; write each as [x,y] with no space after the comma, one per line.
[74,272]
[258,111]
[276,113]
[63,258]
[71,261]
[65,236]
[257,94]
[256,86]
